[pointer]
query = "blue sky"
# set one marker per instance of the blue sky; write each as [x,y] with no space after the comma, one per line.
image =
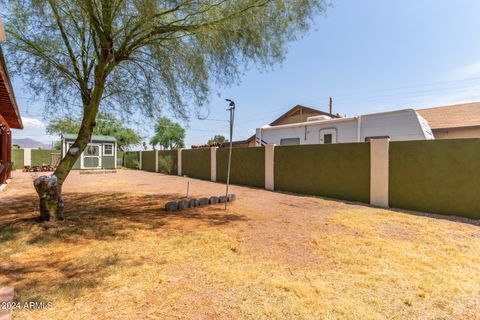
[370,56]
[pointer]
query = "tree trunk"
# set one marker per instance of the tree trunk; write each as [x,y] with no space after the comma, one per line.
[49,188]
[50,194]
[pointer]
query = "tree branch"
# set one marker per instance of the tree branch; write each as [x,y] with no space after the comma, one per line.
[67,45]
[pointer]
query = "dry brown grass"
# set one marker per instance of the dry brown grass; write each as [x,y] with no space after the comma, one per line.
[119,256]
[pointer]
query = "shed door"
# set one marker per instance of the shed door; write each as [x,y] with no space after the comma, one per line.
[92,156]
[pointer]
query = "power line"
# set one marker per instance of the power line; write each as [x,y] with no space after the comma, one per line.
[421,85]
[418,93]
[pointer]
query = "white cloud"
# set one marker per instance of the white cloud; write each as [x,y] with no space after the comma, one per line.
[470,70]
[32,123]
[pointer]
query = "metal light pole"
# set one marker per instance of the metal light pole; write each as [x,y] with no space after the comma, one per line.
[231,108]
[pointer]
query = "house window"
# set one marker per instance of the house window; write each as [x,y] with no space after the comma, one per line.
[327,138]
[328,135]
[367,139]
[289,141]
[108,149]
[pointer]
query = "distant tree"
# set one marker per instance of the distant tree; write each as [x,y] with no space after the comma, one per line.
[217,139]
[63,125]
[144,144]
[57,145]
[168,134]
[16,146]
[107,125]
[135,55]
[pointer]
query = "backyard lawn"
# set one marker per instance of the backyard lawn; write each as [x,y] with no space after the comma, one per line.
[119,255]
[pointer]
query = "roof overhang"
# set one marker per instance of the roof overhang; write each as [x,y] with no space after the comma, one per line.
[308,123]
[457,128]
[8,105]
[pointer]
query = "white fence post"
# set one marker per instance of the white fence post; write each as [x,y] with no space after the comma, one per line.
[269,166]
[27,157]
[156,160]
[140,161]
[379,172]
[179,162]
[213,164]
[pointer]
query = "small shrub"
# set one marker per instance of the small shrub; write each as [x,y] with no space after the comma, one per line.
[166,165]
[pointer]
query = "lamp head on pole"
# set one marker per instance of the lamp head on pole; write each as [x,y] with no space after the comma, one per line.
[231,104]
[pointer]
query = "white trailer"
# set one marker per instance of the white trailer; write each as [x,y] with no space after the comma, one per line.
[398,125]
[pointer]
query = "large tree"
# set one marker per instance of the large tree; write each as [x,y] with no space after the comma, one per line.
[139,55]
[168,134]
[107,125]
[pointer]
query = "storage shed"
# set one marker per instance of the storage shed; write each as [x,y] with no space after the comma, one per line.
[100,153]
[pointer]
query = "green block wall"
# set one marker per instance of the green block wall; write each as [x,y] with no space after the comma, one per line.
[41,157]
[248,166]
[339,171]
[17,159]
[132,159]
[168,161]
[196,163]
[148,161]
[120,158]
[438,176]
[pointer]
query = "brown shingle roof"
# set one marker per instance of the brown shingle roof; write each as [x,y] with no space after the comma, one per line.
[294,109]
[298,107]
[455,116]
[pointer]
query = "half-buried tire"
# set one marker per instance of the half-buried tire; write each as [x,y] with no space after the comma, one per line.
[213,200]
[183,204]
[194,203]
[203,202]
[171,206]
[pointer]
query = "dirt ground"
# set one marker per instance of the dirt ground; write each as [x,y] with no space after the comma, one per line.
[119,255]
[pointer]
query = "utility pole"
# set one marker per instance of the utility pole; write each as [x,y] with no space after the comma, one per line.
[331,105]
[231,108]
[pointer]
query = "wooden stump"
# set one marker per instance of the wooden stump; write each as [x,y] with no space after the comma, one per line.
[51,200]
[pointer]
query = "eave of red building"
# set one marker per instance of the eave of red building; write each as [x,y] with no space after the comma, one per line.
[9,113]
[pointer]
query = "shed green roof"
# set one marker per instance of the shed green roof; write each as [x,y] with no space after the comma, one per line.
[72,136]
